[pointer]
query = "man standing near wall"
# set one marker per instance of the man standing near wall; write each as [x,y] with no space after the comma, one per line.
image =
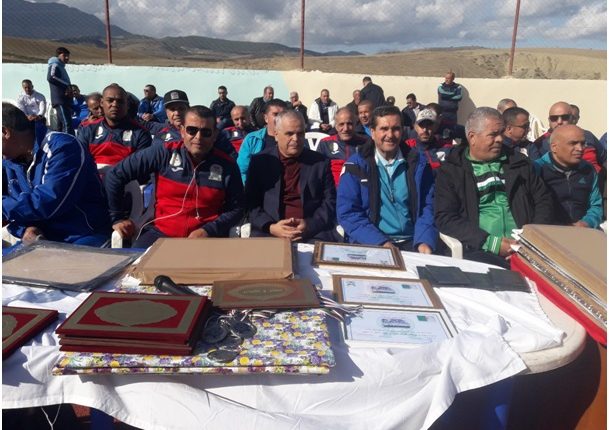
[372,92]
[61,92]
[449,96]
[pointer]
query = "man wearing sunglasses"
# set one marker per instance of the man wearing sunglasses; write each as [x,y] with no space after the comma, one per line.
[115,136]
[198,189]
[561,113]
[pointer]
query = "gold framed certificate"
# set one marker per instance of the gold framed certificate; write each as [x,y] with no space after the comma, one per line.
[383,291]
[351,255]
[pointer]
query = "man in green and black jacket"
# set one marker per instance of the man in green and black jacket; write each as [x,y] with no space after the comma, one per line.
[485,189]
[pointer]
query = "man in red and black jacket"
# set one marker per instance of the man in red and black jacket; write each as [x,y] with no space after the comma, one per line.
[113,137]
[342,145]
[242,126]
[198,188]
[176,104]
[431,146]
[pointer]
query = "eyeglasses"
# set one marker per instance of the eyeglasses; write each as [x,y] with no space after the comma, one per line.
[526,126]
[192,131]
[565,117]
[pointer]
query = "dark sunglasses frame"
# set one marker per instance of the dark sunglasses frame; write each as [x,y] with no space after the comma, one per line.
[192,131]
[565,117]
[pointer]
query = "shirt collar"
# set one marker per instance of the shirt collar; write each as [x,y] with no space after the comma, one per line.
[388,163]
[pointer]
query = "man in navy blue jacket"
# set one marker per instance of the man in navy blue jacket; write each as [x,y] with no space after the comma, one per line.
[289,189]
[385,195]
[51,188]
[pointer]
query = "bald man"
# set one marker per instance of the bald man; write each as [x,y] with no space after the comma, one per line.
[560,114]
[241,127]
[572,181]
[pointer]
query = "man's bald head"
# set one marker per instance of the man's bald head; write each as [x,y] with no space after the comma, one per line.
[559,115]
[567,145]
[240,117]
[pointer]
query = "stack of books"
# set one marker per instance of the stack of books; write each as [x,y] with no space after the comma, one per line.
[135,324]
[569,266]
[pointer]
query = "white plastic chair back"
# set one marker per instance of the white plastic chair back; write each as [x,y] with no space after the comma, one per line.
[313,138]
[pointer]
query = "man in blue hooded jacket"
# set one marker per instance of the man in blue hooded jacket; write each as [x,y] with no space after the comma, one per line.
[61,91]
[51,188]
[385,194]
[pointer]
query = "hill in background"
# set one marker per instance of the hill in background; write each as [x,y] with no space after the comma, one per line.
[32,31]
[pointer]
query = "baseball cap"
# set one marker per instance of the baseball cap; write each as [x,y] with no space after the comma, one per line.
[175,96]
[426,115]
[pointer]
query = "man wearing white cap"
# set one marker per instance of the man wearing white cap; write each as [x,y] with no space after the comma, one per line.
[431,146]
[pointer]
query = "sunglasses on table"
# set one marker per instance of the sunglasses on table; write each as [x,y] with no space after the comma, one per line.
[192,131]
[565,117]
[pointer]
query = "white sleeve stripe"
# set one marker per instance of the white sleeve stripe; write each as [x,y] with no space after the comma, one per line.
[82,163]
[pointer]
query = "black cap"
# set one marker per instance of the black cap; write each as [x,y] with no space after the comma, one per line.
[175,96]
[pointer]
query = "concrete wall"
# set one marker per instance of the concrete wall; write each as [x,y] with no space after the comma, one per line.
[535,95]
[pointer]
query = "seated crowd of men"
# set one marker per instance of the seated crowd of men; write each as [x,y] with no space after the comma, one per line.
[383,176]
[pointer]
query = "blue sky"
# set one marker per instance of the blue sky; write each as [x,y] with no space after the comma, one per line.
[367,26]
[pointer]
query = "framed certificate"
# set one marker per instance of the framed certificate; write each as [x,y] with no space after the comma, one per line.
[391,327]
[341,254]
[377,291]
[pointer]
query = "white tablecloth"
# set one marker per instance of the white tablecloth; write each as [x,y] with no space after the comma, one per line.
[376,388]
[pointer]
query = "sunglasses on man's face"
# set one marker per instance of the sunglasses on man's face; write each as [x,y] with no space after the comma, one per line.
[192,131]
[565,117]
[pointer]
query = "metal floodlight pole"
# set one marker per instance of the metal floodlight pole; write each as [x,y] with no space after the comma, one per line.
[108,35]
[514,33]
[302,28]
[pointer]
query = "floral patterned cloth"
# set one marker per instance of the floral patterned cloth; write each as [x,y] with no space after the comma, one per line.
[289,342]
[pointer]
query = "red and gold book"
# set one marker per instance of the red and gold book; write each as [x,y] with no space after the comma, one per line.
[21,324]
[157,317]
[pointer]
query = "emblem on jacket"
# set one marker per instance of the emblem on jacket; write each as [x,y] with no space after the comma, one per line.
[127,135]
[99,133]
[176,162]
[215,172]
[335,148]
[167,137]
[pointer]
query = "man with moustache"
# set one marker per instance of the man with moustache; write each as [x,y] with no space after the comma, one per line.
[572,180]
[485,189]
[385,195]
[198,192]
[290,191]
[364,113]
[340,146]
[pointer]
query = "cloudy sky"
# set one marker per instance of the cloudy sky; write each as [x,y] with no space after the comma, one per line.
[366,25]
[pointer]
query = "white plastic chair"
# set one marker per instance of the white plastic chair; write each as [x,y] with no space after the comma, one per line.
[138,214]
[313,138]
[455,246]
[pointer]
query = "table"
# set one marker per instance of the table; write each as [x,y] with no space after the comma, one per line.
[377,388]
